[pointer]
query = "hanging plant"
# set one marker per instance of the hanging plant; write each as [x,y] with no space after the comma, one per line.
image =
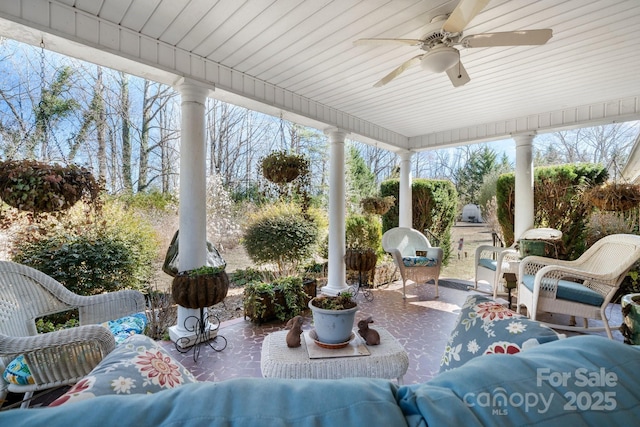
[281,167]
[35,186]
[377,205]
[614,197]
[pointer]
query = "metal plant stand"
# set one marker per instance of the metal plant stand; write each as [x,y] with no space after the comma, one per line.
[359,287]
[204,327]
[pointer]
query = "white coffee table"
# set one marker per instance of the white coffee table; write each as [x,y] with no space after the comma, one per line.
[387,360]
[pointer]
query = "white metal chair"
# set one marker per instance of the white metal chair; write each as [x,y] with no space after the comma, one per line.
[414,256]
[581,288]
[61,357]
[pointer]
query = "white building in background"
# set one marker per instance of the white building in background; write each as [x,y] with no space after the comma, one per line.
[471,213]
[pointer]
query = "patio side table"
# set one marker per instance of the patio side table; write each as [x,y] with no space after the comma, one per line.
[387,360]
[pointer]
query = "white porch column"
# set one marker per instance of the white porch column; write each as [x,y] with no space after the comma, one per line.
[405,217]
[193,223]
[336,281]
[524,209]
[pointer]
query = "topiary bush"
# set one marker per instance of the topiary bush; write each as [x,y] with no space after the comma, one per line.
[434,204]
[280,234]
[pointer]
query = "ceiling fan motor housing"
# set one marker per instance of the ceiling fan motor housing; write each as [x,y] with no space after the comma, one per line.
[440,58]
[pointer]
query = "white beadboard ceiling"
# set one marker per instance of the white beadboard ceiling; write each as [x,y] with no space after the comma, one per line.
[297,58]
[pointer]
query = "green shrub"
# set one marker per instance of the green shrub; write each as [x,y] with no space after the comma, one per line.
[558,202]
[434,204]
[86,265]
[363,231]
[241,277]
[280,234]
[93,255]
[149,201]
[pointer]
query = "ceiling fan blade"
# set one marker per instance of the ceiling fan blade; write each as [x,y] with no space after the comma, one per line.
[458,75]
[509,38]
[464,12]
[395,73]
[410,42]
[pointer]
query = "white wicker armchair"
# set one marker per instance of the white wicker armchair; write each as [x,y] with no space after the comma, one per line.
[61,357]
[581,288]
[402,243]
[492,262]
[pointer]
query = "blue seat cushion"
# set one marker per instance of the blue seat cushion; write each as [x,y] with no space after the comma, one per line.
[570,291]
[17,371]
[419,261]
[491,264]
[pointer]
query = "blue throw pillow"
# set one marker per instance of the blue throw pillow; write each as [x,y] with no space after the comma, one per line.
[487,327]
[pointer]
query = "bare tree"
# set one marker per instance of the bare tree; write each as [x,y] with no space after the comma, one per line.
[608,145]
[155,99]
[125,107]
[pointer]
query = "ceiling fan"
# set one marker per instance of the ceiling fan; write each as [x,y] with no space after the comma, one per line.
[445,32]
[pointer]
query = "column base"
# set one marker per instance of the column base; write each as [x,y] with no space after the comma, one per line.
[185,339]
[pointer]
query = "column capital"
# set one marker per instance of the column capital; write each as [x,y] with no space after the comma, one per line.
[336,134]
[523,138]
[405,155]
[192,91]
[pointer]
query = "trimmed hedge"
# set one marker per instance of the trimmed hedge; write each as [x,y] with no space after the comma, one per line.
[558,202]
[434,203]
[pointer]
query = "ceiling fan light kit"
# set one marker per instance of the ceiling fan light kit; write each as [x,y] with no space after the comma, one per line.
[440,59]
[445,32]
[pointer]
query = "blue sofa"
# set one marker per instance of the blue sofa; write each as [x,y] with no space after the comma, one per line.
[583,380]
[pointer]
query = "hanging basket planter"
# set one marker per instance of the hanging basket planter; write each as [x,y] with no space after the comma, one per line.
[614,197]
[360,259]
[377,205]
[281,168]
[38,187]
[200,288]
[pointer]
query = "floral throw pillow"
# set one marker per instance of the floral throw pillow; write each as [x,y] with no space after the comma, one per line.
[487,327]
[137,366]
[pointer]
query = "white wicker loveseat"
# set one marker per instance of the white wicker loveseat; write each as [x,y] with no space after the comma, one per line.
[580,288]
[414,256]
[60,357]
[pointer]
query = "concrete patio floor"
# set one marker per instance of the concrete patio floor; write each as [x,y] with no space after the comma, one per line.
[420,322]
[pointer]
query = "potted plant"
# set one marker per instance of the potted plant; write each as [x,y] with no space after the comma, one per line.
[201,287]
[39,187]
[281,299]
[333,317]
